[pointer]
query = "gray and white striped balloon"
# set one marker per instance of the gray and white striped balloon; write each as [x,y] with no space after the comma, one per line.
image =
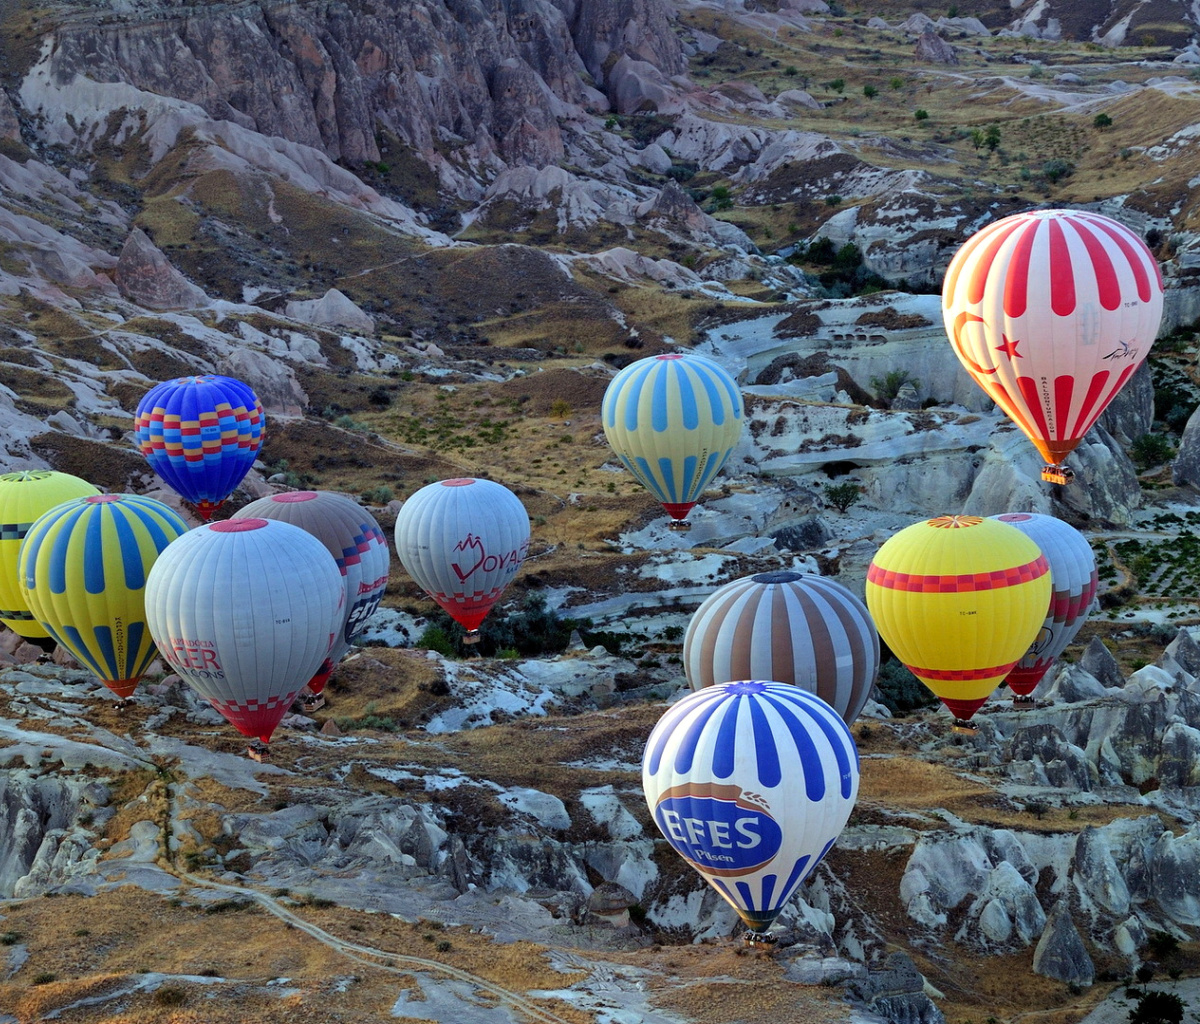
[788,626]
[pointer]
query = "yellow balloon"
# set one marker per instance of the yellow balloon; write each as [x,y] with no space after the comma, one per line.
[83,566]
[959,599]
[23,497]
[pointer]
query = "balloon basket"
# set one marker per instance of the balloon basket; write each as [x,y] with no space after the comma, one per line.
[312,702]
[679,525]
[258,751]
[1024,702]
[1057,474]
[759,939]
[964,728]
[124,704]
[472,637]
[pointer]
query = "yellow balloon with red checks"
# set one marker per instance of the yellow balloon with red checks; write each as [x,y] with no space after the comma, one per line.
[959,599]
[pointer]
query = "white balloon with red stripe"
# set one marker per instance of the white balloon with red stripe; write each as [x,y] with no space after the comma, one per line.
[463,541]
[1051,311]
[353,538]
[1073,583]
[791,627]
[245,610]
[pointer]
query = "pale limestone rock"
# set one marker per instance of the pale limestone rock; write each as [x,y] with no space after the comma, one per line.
[333,309]
[274,382]
[799,98]
[635,86]
[655,159]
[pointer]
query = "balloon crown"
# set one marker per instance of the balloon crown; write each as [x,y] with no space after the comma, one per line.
[99,499]
[292,496]
[954,522]
[458,481]
[25,474]
[779,576]
[237,525]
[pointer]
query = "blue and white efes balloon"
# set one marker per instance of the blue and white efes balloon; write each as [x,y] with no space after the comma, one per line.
[751,782]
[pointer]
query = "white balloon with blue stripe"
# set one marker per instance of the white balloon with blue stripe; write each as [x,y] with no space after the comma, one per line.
[751,782]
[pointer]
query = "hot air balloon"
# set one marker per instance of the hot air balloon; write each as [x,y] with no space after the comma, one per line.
[352,536]
[1073,581]
[83,567]
[200,435]
[1051,311]
[791,627]
[245,610]
[23,497]
[751,782]
[463,540]
[673,421]
[959,599]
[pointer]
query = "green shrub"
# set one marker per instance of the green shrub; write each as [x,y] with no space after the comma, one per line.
[1156,1007]
[1150,450]
[921,114]
[435,638]
[1102,121]
[842,496]
[897,689]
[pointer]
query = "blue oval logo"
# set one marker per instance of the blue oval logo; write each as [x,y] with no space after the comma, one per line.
[717,828]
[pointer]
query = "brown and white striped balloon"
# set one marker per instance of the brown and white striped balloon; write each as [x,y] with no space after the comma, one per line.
[791,627]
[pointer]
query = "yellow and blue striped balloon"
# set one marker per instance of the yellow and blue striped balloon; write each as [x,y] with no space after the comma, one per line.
[83,568]
[673,421]
[24,496]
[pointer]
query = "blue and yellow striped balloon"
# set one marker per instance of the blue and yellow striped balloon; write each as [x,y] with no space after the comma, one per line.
[201,435]
[673,421]
[83,568]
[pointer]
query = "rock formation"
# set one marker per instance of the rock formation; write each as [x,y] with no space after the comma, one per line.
[144,275]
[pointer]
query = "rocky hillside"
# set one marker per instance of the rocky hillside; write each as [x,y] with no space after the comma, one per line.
[427,234]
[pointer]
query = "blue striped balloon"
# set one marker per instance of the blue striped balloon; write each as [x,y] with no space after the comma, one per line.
[83,567]
[673,421]
[751,782]
[201,435]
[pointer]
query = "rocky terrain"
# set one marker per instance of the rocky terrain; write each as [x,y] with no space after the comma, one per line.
[428,234]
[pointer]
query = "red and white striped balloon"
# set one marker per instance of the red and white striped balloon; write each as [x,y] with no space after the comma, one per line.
[1051,311]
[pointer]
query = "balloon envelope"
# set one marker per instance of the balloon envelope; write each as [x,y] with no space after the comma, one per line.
[84,566]
[751,782]
[463,540]
[23,497]
[959,599]
[790,627]
[673,420]
[200,435]
[1073,581]
[1050,312]
[352,536]
[245,611]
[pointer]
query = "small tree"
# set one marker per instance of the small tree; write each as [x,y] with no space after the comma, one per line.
[888,386]
[560,408]
[991,137]
[1102,121]
[977,137]
[1057,169]
[838,85]
[921,114]
[1150,450]
[842,496]
[1157,1007]
[870,92]
[896,83]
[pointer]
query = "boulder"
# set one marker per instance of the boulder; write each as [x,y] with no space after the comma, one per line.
[1184,652]
[799,98]
[333,309]
[1179,760]
[145,276]
[896,992]
[808,534]
[273,381]
[933,48]
[655,159]
[1098,662]
[635,86]
[1070,683]
[1185,470]
[1060,952]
